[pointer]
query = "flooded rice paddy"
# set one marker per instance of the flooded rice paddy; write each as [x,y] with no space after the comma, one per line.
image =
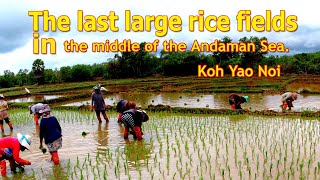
[212,101]
[176,147]
[35,98]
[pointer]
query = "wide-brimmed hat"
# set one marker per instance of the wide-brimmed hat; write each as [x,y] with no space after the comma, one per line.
[97,87]
[144,115]
[24,140]
[45,108]
[1,96]
[246,98]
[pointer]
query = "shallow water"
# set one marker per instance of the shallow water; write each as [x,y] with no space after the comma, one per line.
[213,101]
[35,98]
[297,86]
[177,147]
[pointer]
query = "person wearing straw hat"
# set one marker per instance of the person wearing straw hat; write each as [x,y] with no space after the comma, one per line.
[287,99]
[50,131]
[98,103]
[132,120]
[15,145]
[34,109]
[235,100]
[4,113]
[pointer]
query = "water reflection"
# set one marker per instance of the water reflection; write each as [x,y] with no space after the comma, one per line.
[298,85]
[102,136]
[35,98]
[212,101]
[136,151]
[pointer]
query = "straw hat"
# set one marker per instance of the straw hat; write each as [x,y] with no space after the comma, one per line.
[144,115]
[24,140]
[97,87]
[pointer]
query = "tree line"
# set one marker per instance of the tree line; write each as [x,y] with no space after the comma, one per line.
[144,64]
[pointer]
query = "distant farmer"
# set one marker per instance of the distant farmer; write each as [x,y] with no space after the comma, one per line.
[11,146]
[132,120]
[98,103]
[4,113]
[235,100]
[50,131]
[287,99]
[34,109]
[123,106]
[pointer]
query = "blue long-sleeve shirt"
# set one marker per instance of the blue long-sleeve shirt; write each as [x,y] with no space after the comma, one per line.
[50,129]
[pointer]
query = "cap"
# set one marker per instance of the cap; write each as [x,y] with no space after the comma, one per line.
[1,95]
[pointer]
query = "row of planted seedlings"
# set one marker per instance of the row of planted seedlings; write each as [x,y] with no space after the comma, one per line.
[181,147]
[203,146]
[252,148]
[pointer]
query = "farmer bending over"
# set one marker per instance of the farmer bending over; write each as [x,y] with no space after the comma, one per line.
[34,109]
[235,100]
[4,113]
[132,120]
[97,102]
[287,99]
[6,154]
[11,145]
[123,106]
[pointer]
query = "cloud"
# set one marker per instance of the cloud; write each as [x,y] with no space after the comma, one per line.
[13,27]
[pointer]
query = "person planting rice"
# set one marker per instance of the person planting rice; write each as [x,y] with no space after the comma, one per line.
[235,100]
[287,99]
[4,113]
[123,106]
[50,131]
[6,154]
[34,109]
[132,120]
[120,108]
[98,104]
[10,148]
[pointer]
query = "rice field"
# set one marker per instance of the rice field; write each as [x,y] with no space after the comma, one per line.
[176,146]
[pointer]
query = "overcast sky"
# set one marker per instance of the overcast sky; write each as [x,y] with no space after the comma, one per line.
[16,47]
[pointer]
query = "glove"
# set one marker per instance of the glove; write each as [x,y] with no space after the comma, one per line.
[25,162]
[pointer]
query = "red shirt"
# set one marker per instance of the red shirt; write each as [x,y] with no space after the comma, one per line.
[13,143]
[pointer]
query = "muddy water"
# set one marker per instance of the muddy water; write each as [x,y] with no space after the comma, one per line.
[179,147]
[213,101]
[298,86]
[35,98]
